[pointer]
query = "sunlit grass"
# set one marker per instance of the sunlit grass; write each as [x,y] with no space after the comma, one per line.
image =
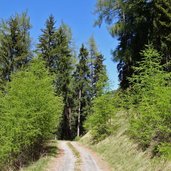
[123,154]
[51,151]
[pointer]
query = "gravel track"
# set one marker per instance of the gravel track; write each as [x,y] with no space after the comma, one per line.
[68,161]
[88,160]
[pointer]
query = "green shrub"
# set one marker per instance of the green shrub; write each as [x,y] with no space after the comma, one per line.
[30,114]
[151,99]
[100,121]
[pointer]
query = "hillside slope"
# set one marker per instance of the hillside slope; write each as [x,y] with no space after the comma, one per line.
[122,153]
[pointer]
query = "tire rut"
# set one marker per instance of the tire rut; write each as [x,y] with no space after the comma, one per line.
[88,161]
[68,162]
[75,157]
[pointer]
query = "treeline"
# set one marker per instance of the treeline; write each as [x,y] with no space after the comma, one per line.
[77,79]
[46,91]
[144,33]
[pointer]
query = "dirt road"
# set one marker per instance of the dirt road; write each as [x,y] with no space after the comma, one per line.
[88,160]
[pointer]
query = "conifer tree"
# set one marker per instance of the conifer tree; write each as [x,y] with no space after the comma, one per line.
[138,23]
[82,88]
[30,114]
[93,53]
[162,29]
[100,76]
[14,45]
[47,44]
[63,79]
[55,49]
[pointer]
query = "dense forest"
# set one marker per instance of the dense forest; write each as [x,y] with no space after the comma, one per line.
[51,91]
[46,92]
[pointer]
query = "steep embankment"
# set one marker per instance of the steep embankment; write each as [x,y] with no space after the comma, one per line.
[122,153]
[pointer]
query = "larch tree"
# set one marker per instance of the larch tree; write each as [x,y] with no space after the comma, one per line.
[30,115]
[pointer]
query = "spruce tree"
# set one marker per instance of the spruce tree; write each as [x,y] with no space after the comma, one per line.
[47,44]
[55,49]
[138,23]
[14,45]
[100,76]
[63,79]
[82,89]
[93,53]
[162,30]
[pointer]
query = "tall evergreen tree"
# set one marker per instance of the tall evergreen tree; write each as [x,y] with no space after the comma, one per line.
[47,44]
[93,53]
[162,29]
[100,76]
[138,23]
[55,49]
[14,44]
[82,88]
[63,78]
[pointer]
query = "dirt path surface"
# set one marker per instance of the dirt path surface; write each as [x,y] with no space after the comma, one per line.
[88,161]
[66,161]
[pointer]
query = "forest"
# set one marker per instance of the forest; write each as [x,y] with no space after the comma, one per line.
[52,91]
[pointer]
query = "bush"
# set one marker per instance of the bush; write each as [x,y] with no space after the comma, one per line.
[100,121]
[151,97]
[30,114]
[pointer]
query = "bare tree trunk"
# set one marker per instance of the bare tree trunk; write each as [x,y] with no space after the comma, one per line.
[70,116]
[79,114]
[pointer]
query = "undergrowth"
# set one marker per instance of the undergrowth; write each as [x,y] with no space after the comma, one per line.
[123,153]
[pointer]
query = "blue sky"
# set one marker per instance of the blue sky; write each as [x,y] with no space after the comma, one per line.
[78,14]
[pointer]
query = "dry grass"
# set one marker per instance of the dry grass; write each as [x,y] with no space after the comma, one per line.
[42,163]
[77,155]
[123,154]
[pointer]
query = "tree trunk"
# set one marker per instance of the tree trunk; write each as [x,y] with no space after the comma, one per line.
[70,116]
[79,114]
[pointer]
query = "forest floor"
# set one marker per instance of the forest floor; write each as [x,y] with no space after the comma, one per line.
[76,157]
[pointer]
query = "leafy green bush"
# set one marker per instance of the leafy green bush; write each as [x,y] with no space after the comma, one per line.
[151,99]
[165,150]
[30,114]
[100,121]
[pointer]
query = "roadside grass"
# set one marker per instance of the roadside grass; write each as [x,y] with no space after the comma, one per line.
[122,153]
[77,155]
[50,152]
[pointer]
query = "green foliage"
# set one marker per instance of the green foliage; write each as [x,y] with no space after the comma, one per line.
[100,76]
[151,96]
[100,122]
[162,33]
[55,48]
[14,44]
[63,78]
[136,23]
[82,89]
[30,114]
[165,150]
[48,45]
